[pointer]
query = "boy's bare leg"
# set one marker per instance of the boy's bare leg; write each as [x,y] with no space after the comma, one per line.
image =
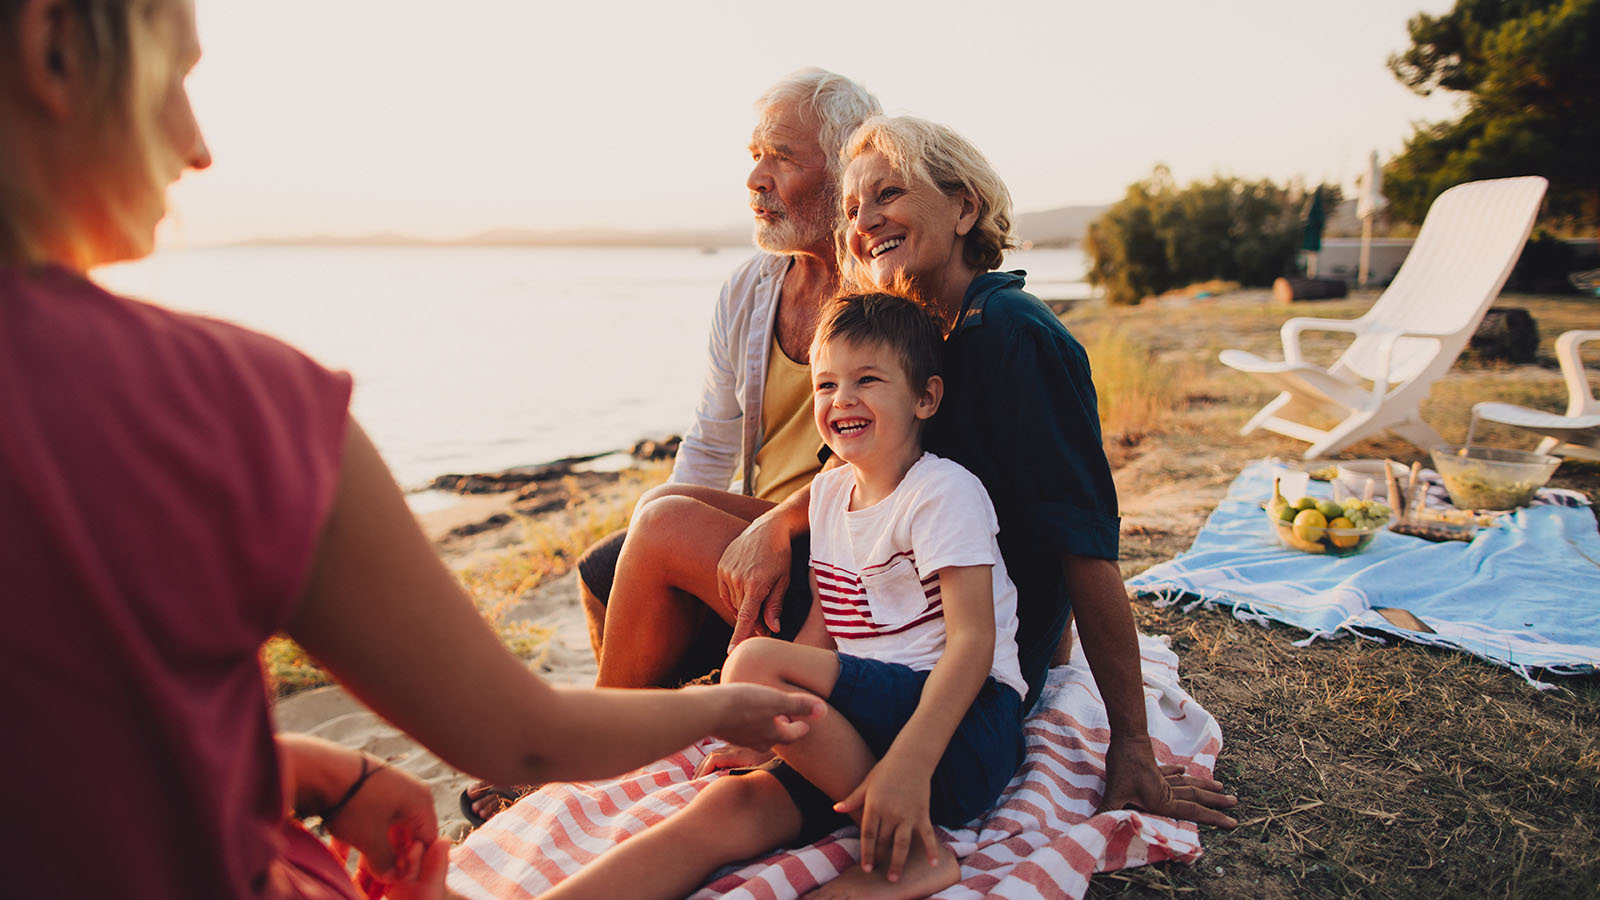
[833,757]
[736,817]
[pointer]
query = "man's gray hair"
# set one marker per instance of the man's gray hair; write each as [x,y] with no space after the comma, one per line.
[839,104]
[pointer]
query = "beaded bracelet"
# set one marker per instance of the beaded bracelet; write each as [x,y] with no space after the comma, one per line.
[367,771]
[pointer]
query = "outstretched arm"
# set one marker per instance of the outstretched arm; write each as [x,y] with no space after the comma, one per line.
[1111,645]
[390,622]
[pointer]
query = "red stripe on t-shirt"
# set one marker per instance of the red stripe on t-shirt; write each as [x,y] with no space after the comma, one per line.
[934,612]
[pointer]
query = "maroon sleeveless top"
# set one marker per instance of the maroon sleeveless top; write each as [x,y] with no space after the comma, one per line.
[163,482]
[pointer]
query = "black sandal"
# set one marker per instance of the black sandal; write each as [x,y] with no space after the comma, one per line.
[505,796]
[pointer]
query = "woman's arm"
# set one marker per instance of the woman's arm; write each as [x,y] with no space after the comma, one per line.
[389,621]
[1111,646]
[893,798]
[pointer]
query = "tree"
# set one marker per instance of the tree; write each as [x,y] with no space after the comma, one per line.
[1531,73]
[1159,237]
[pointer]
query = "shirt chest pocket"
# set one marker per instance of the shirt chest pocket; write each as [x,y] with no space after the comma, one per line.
[895,594]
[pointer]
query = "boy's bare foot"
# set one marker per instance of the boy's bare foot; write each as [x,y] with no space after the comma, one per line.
[918,880]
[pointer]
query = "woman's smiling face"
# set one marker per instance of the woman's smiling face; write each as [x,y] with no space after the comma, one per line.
[898,226]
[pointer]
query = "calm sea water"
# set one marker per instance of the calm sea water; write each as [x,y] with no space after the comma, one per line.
[478,359]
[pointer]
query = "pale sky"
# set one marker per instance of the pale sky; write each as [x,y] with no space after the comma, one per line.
[444,119]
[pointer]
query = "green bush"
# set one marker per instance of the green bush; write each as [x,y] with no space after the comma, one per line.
[1544,265]
[1160,237]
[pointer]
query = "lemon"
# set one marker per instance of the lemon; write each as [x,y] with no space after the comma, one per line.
[1309,525]
[1343,540]
[1307,502]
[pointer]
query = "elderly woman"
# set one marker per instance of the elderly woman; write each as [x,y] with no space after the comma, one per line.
[929,217]
[175,490]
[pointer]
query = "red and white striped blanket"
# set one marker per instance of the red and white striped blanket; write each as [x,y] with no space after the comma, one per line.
[1041,841]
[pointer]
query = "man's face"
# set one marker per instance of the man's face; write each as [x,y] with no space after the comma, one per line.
[794,201]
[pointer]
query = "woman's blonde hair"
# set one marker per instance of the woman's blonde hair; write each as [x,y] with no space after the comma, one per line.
[127,75]
[935,154]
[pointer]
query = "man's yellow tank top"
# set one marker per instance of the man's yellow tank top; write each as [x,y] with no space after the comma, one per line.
[789,441]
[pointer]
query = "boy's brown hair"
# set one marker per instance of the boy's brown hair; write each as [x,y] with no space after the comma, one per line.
[895,322]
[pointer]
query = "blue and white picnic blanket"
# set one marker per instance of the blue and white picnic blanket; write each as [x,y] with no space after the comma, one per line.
[1524,593]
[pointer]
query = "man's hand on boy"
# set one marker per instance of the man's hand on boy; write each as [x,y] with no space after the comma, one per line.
[1133,781]
[893,805]
[752,577]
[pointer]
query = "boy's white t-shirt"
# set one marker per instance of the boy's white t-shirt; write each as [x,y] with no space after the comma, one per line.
[877,568]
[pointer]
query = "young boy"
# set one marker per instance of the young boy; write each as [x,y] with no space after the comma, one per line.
[924,719]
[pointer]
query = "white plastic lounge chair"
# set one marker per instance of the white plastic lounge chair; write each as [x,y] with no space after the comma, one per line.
[1575,434]
[1412,335]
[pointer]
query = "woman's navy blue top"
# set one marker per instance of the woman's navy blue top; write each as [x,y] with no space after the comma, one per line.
[1020,412]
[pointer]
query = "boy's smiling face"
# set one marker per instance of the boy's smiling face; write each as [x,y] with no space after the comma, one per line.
[865,406]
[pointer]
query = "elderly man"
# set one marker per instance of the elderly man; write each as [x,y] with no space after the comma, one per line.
[752,442]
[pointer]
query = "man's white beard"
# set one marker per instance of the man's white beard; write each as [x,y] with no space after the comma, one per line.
[801,227]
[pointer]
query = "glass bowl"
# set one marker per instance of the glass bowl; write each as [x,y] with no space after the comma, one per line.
[1328,541]
[1491,478]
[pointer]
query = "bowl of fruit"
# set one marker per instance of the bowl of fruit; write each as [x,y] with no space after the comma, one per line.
[1329,527]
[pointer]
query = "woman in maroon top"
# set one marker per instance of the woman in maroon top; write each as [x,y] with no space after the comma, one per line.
[173,491]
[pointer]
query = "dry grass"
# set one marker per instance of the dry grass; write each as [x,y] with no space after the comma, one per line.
[1363,770]
[1136,396]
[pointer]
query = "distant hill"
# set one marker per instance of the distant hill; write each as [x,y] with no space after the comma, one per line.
[731,236]
[1058,227]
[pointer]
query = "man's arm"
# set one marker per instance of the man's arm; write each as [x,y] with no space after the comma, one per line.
[710,449]
[1111,645]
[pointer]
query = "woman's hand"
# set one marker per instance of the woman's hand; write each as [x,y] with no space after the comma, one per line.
[893,802]
[756,716]
[1133,780]
[433,863]
[390,821]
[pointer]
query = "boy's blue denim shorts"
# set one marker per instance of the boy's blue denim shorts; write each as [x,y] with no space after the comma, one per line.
[878,698]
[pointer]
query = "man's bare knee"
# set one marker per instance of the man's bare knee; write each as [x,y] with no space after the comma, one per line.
[656,493]
[659,520]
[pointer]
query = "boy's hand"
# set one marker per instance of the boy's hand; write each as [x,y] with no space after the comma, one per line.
[893,801]
[730,756]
